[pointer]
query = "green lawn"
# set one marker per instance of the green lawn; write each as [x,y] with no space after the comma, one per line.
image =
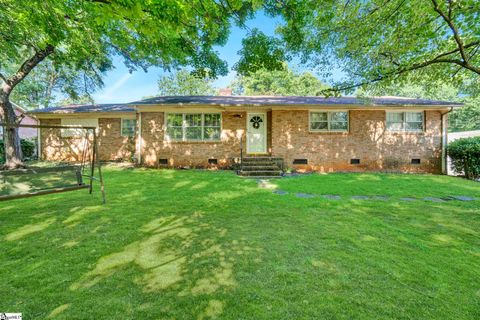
[201,245]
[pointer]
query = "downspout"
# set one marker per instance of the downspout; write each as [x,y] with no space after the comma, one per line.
[445,141]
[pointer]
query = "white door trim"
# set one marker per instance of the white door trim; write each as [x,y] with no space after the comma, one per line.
[264,114]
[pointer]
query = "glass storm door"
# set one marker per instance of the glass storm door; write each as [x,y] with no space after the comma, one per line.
[256,133]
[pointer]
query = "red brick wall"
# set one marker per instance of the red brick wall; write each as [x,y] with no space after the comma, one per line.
[191,154]
[366,140]
[111,145]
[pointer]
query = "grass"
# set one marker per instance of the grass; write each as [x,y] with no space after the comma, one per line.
[202,245]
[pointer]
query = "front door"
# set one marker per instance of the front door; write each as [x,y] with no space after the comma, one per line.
[257,133]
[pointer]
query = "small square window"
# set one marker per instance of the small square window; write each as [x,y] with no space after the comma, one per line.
[212,161]
[128,127]
[415,161]
[354,161]
[163,161]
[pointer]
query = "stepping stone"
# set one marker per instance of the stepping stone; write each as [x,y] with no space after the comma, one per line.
[432,199]
[360,197]
[448,198]
[462,198]
[383,198]
[331,197]
[408,199]
[304,195]
[280,192]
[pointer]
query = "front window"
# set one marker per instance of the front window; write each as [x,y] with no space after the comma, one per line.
[405,121]
[329,121]
[193,126]
[128,127]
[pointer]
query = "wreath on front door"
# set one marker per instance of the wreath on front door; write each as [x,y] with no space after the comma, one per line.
[256,122]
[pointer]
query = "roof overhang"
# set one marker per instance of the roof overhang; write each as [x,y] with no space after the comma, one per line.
[244,107]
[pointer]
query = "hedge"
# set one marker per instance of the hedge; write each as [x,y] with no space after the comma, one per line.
[28,150]
[465,155]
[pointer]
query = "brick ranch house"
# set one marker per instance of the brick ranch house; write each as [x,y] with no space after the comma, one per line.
[307,133]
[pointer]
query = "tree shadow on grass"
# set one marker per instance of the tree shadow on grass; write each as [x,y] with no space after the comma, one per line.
[181,254]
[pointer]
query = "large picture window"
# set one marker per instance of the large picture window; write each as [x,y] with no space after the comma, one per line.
[193,126]
[334,121]
[405,121]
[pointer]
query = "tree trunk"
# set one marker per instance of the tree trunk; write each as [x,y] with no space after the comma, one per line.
[13,150]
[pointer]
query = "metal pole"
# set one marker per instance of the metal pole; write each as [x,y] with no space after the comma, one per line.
[100,176]
[92,168]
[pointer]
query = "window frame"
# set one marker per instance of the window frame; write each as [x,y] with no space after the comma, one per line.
[404,123]
[329,121]
[184,127]
[134,128]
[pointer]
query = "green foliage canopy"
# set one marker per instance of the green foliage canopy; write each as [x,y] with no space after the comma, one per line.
[185,83]
[380,40]
[260,51]
[283,82]
[84,35]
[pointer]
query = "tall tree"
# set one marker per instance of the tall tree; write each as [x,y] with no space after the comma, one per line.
[185,83]
[380,40]
[284,82]
[258,52]
[84,35]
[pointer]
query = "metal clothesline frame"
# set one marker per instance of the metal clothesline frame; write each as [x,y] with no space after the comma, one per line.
[95,161]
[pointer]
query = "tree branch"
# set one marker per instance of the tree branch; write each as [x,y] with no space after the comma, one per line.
[454,29]
[28,65]
[437,60]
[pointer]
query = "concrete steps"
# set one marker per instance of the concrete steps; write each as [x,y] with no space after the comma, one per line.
[261,167]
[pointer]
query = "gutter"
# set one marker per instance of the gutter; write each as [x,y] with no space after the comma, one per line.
[445,141]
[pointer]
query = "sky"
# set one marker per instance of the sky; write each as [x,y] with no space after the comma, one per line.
[123,86]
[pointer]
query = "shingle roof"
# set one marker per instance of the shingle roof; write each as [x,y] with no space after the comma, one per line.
[293,100]
[85,108]
[249,101]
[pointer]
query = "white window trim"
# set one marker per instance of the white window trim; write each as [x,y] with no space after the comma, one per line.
[184,139]
[328,111]
[121,126]
[405,130]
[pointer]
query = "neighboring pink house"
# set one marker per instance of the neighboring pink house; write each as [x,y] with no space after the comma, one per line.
[25,133]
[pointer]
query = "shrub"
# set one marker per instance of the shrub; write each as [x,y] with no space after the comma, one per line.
[28,149]
[465,155]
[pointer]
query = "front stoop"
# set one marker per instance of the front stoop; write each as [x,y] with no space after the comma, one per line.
[257,167]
